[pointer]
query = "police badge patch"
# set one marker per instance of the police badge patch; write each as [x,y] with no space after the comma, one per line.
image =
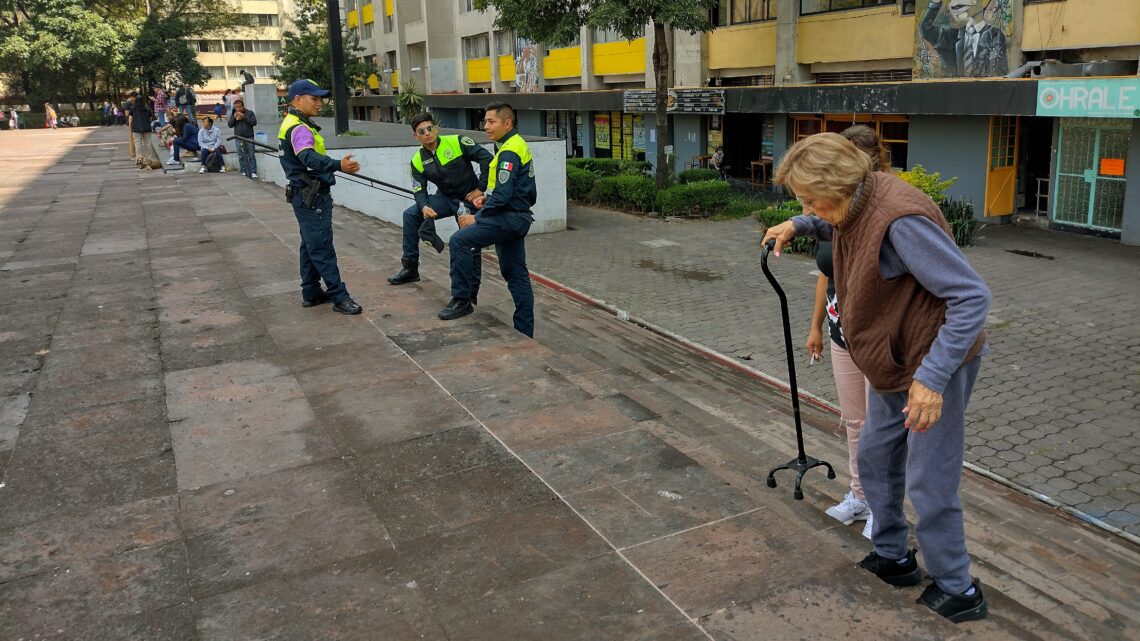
[504,176]
[467,141]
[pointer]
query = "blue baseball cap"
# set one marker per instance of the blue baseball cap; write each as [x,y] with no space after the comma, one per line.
[305,87]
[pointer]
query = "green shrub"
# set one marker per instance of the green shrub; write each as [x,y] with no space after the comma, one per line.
[610,166]
[960,216]
[928,183]
[635,193]
[776,214]
[740,207]
[698,199]
[579,183]
[697,175]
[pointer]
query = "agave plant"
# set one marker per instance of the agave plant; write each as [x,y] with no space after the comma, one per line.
[409,101]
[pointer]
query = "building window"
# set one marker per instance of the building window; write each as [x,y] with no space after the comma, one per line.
[504,43]
[209,46]
[476,47]
[216,73]
[467,5]
[389,61]
[253,46]
[605,35]
[809,7]
[366,31]
[908,7]
[264,20]
[389,22]
[265,71]
[744,11]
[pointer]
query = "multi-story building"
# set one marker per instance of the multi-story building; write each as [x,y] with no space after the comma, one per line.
[1033,105]
[250,48]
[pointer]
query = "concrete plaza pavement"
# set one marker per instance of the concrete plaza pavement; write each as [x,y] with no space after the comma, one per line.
[1056,409]
[187,454]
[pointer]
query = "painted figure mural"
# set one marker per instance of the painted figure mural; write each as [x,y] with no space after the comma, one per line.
[963,38]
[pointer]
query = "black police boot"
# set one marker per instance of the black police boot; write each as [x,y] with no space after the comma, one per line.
[409,274]
[891,571]
[457,308]
[313,302]
[348,307]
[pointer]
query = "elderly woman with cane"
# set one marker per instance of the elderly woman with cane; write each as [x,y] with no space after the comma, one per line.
[913,317]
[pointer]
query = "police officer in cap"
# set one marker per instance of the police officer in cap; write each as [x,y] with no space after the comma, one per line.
[444,161]
[310,173]
[503,220]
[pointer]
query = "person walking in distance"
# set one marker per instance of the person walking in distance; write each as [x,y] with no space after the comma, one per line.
[310,173]
[503,221]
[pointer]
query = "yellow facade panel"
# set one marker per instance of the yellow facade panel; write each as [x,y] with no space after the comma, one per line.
[366,14]
[388,7]
[507,68]
[612,58]
[396,79]
[479,70]
[1081,23]
[851,36]
[353,19]
[564,62]
[743,46]
[374,81]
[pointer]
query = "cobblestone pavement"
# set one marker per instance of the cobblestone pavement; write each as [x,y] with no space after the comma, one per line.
[1055,409]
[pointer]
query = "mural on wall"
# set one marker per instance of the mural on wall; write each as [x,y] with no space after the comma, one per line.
[963,38]
[526,66]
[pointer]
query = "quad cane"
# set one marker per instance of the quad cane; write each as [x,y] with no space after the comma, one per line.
[802,463]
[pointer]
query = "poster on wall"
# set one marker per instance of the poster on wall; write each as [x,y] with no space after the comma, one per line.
[716,139]
[526,66]
[963,38]
[627,137]
[602,132]
[638,133]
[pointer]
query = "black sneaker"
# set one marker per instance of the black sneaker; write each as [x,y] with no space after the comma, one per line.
[457,308]
[347,307]
[409,273]
[313,302]
[955,607]
[891,571]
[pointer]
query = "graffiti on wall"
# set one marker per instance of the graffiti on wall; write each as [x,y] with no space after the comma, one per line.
[963,38]
[526,66]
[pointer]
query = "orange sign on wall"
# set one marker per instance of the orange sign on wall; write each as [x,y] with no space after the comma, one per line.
[1111,166]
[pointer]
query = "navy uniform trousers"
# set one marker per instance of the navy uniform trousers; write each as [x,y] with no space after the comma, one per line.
[507,232]
[318,258]
[414,218]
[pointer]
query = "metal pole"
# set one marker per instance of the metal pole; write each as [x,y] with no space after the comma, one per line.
[340,91]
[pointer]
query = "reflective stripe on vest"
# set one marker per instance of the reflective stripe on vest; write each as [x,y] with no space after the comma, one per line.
[516,144]
[289,123]
[449,149]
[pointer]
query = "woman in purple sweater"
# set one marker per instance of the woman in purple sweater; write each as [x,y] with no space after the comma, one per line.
[913,317]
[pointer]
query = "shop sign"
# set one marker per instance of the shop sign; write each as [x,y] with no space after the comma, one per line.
[702,100]
[1089,98]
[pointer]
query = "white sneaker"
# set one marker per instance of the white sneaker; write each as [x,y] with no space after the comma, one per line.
[173,162]
[867,527]
[254,176]
[202,170]
[849,510]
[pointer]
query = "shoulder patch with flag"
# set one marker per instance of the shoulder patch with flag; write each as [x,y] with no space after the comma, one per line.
[467,141]
[506,165]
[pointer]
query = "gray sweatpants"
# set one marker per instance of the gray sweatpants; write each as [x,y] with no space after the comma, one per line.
[927,466]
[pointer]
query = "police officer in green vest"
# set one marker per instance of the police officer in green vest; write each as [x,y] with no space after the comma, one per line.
[444,161]
[503,220]
[310,173]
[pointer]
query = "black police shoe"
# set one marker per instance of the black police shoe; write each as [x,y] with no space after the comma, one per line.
[313,302]
[457,308]
[891,571]
[409,274]
[956,607]
[347,307]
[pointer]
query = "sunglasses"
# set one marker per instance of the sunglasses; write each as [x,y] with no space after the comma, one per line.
[425,130]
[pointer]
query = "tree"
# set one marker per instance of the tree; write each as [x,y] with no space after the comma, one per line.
[307,51]
[48,48]
[557,22]
[162,54]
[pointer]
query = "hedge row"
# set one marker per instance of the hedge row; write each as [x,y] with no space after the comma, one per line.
[610,166]
[697,175]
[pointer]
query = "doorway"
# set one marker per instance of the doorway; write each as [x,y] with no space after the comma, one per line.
[1090,180]
[1001,169]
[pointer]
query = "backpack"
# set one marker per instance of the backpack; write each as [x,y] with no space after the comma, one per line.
[213,163]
